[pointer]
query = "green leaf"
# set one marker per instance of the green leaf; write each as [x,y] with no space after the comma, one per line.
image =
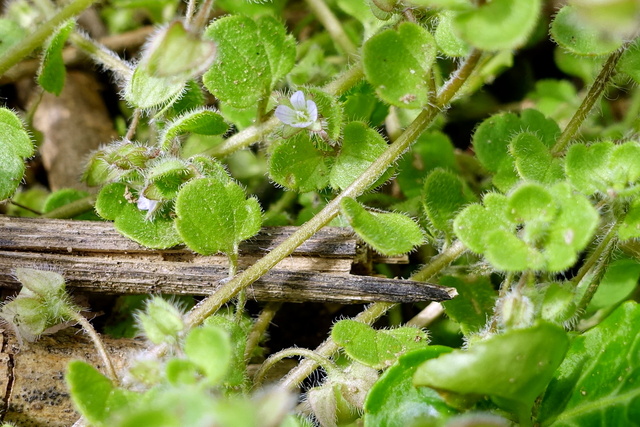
[472,223]
[65,196]
[10,34]
[157,233]
[397,64]
[361,104]
[474,303]
[444,196]
[295,163]
[89,389]
[15,146]
[330,110]
[280,47]
[161,322]
[51,74]
[387,233]
[164,177]
[200,121]
[209,348]
[360,147]
[176,53]
[597,383]
[448,41]
[630,226]
[238,330]
[146,91]
[497,25]
[527,360]
[395,401]
[584,67]
[214,216]
[619,281]
[492,139]
[534,161]
[574,34]
[241,73]
[629,63]
[430,151]
[376,348]
[604,167]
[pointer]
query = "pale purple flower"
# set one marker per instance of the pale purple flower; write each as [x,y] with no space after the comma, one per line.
[145,204]
[303,114]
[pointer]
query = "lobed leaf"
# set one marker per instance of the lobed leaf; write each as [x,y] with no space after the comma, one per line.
[397,64]
[497,25]
[214,216]
[376,348]
[280,47]
[209,348]
[474,304]
[90,390]
[573,33]
[295,163]
[387,233]
[15,146]
[444,196]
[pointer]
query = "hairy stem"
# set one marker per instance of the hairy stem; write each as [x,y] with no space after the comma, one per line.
[35,39]
[324,362]
[97,342]
[101,55]
[227,291]
[596,90]
[72,209]
[373,313]
[259,327]
[594,268]
[332,25]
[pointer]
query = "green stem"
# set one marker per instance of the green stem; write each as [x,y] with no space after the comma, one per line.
[133,126]
[595,91]
[257,132]
[97,342]
[595,267]
[227,291]
[41,33]
[101,55]
[25,207]
[332,25]
[259,327]
[72,209]
[326,364]
[201,18]
[373,313]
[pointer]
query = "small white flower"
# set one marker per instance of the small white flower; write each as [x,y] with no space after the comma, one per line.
[145,204]
[303,114]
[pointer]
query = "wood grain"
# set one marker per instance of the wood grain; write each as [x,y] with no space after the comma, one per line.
[94,257]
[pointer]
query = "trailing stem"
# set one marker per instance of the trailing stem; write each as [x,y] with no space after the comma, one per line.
[329,366]
[596,90]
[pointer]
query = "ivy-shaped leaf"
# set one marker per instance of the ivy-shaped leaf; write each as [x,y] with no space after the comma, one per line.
[209,348]
[630,226]
[178,54]
[533,228]
[619,281]
[629,63]
[360,147]
[604,167]
[448,41]
[492,140]
[387,233]
[499,24]
[15,147]
[597,383]
[52,72]
[116,202]
[474,304]
[146,91]
[430,151]
[534,161]
[214,216]
[280,47]
[241,73]
[295,163]
[376,348]
[397,64]
[199,121]
[394,400]
[528,359]
[90,390]
[444,196]
[574,34]
[10,34]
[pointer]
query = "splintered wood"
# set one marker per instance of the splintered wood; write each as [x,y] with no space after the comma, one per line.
[93,257]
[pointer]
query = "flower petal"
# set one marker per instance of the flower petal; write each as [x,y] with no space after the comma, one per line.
[312,110]
[286,115]
[297,100]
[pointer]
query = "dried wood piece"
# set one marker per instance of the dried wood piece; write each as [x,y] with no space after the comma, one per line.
[32,387]
[94,257]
